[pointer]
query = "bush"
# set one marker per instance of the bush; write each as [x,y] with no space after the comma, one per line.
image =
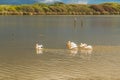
[61,8]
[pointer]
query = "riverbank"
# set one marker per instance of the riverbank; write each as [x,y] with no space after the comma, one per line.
[61,9]
[58,13]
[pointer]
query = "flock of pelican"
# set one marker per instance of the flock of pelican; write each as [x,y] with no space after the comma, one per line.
[82,47]
[70,46]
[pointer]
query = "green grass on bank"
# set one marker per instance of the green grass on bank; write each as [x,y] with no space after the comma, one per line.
[61,9]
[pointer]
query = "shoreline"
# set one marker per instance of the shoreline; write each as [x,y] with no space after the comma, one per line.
[54,13]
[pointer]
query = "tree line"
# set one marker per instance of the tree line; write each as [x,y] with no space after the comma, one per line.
[60,8]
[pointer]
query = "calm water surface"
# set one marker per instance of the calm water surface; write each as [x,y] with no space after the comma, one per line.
[19,60]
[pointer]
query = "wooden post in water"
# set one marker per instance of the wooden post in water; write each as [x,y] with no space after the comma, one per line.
[81,22]
[75,21]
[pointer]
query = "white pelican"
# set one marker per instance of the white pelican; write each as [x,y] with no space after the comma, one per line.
[88,47]
[39,49]
[85,46]
[71,45]
[82,45]
[39,46]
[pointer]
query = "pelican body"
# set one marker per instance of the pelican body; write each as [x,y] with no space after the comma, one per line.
[85,46]
[71,45]
[39,46]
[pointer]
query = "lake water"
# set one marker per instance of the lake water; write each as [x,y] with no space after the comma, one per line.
[20,61]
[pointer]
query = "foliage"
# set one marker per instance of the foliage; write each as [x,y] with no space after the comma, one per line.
[61,8]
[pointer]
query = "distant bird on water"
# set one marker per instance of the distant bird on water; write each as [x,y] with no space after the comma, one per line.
[71,45]
[85,46]
[39,47]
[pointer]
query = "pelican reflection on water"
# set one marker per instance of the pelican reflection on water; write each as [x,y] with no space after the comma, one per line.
[85,51]
[39,51]
[74,52]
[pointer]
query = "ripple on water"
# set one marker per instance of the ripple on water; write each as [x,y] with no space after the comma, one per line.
[58,64]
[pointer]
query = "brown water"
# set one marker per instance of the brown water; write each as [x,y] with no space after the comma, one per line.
[19,60]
